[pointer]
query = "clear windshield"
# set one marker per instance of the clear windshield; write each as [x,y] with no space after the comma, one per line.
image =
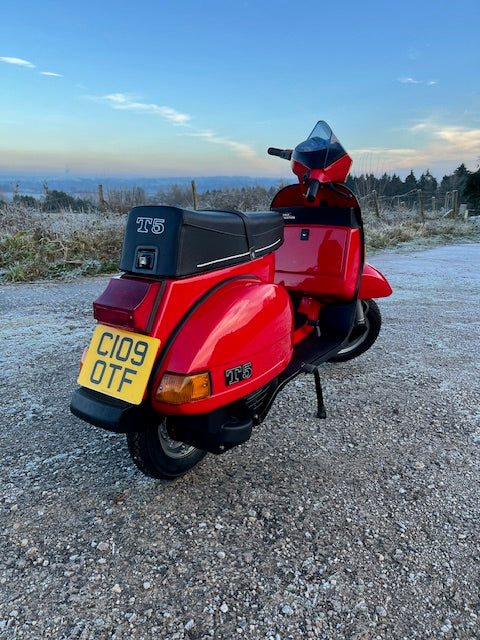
[321,149]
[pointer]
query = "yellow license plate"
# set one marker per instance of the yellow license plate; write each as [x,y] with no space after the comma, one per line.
[119,363]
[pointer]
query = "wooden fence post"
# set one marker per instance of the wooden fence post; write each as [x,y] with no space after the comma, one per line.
[101,199]
[195,196]
[421,210]
[447,200]
[377,204]
[455,203]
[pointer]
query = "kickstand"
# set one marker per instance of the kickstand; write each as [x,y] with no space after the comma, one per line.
[321,411]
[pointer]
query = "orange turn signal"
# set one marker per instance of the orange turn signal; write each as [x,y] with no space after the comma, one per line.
[176,388]
[82,359]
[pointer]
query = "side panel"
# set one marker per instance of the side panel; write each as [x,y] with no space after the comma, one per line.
[245,325]
[373,284]
[326,264]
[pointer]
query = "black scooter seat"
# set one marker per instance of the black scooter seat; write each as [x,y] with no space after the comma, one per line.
[174,242]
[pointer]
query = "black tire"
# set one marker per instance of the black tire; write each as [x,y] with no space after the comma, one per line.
[159,456]
[363,336]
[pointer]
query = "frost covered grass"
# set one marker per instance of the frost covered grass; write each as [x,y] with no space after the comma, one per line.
[386,233]
[36,245]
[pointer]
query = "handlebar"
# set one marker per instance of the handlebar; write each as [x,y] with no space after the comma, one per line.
[286,154]
[312,190]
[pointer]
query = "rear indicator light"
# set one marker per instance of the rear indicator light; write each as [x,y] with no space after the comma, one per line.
[82,359]
[175,388]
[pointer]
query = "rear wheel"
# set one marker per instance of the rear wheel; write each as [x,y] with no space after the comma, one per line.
[363,335]
[158,455]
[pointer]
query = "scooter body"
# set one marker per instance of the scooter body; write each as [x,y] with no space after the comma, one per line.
[217,310]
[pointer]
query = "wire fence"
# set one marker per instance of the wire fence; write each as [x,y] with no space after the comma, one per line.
[415,203]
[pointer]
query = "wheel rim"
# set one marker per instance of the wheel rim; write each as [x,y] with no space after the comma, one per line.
[357,338]
[172,448]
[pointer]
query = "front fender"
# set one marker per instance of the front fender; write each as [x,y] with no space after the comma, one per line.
[373,284]
[244,324]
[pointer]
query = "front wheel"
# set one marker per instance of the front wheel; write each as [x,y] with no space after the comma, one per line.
[362,336]
[157,455]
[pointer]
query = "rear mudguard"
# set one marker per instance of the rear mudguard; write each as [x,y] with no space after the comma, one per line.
[373,284]
[242,335]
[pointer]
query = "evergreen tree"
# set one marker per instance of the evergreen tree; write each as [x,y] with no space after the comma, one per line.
[471,191]
[411,182]
[397,186]
[455,181]
[59,200]
[26,201]
[460,178]
[428,184]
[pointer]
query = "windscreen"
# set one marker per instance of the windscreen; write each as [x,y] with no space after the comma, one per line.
[321,149]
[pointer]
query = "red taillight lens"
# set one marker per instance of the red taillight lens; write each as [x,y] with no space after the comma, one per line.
[129,304]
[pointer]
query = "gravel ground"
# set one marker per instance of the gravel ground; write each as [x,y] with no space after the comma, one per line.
[364,526]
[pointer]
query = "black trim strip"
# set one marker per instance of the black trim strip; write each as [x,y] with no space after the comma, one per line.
[329,216]
[156,304]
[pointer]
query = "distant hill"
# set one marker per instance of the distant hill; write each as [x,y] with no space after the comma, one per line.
[28,185]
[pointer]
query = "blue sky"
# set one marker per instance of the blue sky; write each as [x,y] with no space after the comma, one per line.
[157,88]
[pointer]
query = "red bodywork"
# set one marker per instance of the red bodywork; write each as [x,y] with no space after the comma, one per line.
[331,273]
[336,172]
[373,284]
[244,318]
[243,321]
[334,277]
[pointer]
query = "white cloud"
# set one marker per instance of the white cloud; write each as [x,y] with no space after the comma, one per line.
[241,149]
[125,102]
[439,145]
[20,62]
[457,139]
[17,61]
[409,80]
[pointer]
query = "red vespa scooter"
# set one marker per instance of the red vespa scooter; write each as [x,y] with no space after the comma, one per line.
[217,311]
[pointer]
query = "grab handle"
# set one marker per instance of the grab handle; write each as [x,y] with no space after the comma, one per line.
[286,154]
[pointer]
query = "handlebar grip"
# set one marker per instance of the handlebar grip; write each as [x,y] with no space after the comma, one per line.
[312,190]
[286,154]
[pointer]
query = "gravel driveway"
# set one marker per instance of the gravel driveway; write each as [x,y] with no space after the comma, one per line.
[364,526]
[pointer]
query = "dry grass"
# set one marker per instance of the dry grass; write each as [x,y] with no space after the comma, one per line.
[35,245]
[381,234]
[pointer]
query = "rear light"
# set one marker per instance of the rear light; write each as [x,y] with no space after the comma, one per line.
[175,388]
[129,304]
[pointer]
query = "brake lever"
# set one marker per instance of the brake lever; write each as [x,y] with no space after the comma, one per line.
[341,193]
